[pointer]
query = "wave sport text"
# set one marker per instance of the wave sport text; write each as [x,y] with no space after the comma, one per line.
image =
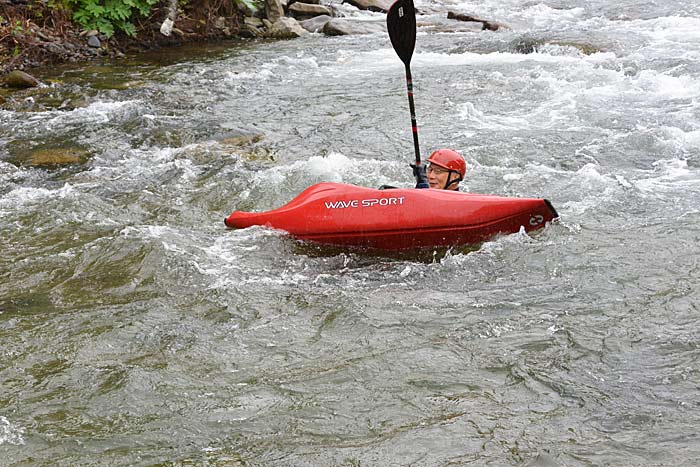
[365,203]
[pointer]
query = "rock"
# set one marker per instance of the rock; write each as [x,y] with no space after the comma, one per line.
[267,23]
[91,33]
[346,27]
[57,156]
[253,21]
[286,28]
[242,140]
[249,31]
[94,42]
[273,10]
[316,23]
[486,25]
[220,22]
[307,10]
[55,49]
[20,80]
[313,2]
[528,45]
[372,5]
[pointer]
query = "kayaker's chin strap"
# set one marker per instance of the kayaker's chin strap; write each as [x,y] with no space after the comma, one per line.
[456,180]
[419,171]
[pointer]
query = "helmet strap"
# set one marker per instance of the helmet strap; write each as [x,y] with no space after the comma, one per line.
[450,182]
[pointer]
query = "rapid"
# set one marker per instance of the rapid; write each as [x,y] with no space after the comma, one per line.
[135,329]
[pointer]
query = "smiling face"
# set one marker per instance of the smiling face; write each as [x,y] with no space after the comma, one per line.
[439,177]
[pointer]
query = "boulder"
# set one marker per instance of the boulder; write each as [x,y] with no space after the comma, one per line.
[273,10]
[346,27]
[316,23]
[20,80]
[372,5]
[286,28]
[307,10]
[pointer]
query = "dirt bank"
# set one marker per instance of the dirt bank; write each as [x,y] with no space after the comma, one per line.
[32,34]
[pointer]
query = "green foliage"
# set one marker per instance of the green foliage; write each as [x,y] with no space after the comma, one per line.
[108,16]
[16,28]
[251,4]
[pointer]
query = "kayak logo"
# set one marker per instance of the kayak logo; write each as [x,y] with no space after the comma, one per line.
[537,219]
[365,203]
[400,12]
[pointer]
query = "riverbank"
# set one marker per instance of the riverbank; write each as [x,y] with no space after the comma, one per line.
[32,34]
[35,34]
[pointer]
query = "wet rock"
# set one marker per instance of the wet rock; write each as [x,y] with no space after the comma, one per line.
[94,42]
[20,80]
[273,10]
[486,25]
[528,45]
[286,28]
[57,156]
[307,10]
[316,23]
[346,27]
[372,5]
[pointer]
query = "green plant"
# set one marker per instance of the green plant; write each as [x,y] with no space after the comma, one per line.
[17,28]
[108,16]
[251,4]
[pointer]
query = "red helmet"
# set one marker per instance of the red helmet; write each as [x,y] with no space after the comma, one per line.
[450,160]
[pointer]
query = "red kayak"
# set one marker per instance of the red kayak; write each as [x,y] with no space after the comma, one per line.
[397,219]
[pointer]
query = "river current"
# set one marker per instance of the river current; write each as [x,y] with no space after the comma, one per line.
[136,330]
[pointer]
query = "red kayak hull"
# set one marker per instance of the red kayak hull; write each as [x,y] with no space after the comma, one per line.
[397,219]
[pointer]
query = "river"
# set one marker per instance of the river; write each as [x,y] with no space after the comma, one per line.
[136,329]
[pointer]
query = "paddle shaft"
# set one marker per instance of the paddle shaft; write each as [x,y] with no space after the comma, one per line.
[412,107]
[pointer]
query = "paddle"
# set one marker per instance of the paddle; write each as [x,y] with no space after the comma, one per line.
[401,24]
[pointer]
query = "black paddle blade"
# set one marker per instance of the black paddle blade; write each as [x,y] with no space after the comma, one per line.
[401,24]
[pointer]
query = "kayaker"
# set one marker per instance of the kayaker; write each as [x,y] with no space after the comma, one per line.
[446,168]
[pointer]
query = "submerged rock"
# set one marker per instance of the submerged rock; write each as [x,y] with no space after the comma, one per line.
[242,140]
[20,80]
[527,45]
[57,156]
